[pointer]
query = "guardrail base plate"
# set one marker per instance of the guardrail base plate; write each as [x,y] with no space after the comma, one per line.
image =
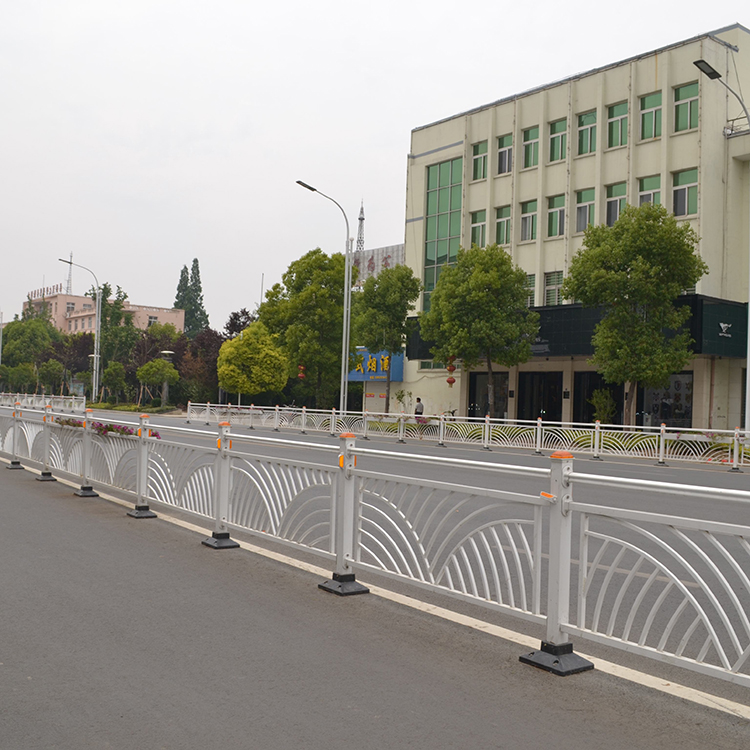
[14,465]
[220,540]
[46,476]
[557,658]
[141,511]
[343,585]
[86,491]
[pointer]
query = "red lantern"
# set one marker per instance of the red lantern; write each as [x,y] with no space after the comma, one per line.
[451,369]
[301,373]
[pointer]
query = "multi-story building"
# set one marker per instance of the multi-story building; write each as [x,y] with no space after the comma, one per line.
[531,171]
[74,314]
[371,262]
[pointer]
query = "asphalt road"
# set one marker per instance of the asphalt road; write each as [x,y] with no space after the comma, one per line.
[119,633]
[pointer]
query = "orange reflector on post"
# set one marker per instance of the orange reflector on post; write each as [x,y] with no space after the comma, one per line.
[547,495]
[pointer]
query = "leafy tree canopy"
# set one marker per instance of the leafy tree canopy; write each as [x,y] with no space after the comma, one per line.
[237,322]
[252,362]
[636,269]
[156,372]
[306,311]
[29,340]
[478,312]
[380,322]
[189,298]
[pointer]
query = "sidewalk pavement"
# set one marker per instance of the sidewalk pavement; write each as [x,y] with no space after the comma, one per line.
[123,633]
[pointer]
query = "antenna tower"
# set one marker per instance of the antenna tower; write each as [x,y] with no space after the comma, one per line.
[69,287]
[361,230]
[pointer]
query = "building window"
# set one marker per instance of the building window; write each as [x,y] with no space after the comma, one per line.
[553,288]
[76,324]
[530,147]
[651,116]
[90,322]
[686,107]
[478,224]
[504,154]
[442,220]
[531,288]
[649,190]
[587,133]
[685,193]
[528,221]
[151,320]
[502,225]
[556,216]
[584,209]
[479,161]
[70,325]
[615,202]
[70,306]
[558,139]
[617,125]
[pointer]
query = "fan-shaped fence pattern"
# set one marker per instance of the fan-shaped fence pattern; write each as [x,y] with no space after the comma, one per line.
[669,590]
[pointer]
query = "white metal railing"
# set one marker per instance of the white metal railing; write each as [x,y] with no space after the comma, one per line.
[661,443]
[668,587]
[75,404]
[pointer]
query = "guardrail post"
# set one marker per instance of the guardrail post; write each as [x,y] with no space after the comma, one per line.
[333,422]
[46,475]
[365,424]
[346,525]
[252,414]
[597,440]
[556,653]
[401,427]
[486,432]
[662,445]
[538,437]
[15,463]
[222,469]
[208,412]
[736,451]
[141,509]
[304,421]
[86,489]
[188,412]
[441,430]
[276,418]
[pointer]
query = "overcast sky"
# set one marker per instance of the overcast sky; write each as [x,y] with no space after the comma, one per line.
[139,135]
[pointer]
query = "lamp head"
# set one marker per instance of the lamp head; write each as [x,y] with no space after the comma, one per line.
[305,185]
[705,68]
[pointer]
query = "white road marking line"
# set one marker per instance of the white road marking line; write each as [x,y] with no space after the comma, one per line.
[640,678]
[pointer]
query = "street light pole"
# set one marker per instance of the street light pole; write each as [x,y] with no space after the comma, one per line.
[714,75]
[347,302]
[97,329]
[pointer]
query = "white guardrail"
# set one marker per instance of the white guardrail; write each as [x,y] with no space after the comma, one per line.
[671,588]
[74,404]
[662,444]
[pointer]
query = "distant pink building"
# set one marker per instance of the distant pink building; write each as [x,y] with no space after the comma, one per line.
[73,313]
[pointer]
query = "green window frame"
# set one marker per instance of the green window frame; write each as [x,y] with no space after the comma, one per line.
[479,161]
[556,216]
[530,147]
[685,193]
[553,288]
[584,208]
[442,220]
[686,107]
[617,125]
[587,133]
[502,225]
[651,116]
[528,221]
[649,189]
[504,154]
[558,139]
[531,289]
[615,201]
[478,227]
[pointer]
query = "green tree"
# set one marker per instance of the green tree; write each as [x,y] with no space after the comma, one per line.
[252,362]
[306,311]
[636,270]
[478,313]
[156,373]
[189,298]
[22,377]
[51,374]
[380,322]
[113,378]
[29,340]
[118,333]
